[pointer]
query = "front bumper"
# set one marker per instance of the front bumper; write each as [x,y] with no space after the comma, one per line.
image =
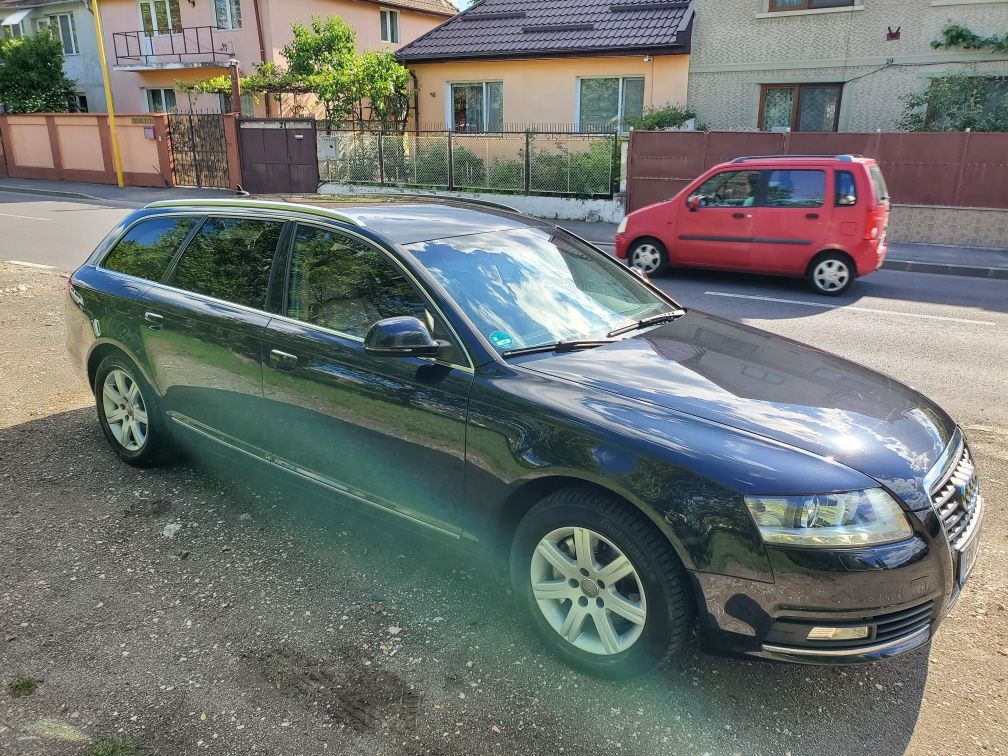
[900,592]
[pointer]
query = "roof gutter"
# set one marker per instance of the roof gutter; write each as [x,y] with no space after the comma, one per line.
[595,52]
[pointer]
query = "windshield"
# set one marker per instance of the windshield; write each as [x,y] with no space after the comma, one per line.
[530,287]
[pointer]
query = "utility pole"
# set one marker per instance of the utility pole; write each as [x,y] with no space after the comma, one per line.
[116,158]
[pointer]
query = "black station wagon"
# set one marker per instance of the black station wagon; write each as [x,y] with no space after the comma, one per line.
[499,382]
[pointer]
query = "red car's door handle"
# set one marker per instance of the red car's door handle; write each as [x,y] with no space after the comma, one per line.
[740,216]
[812,216]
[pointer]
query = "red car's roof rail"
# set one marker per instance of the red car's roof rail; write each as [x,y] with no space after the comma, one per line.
[841,158]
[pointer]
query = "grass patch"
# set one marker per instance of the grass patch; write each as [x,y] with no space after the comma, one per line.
[22,686]
[120,745]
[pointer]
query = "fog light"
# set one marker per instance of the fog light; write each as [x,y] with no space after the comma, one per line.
[837,633]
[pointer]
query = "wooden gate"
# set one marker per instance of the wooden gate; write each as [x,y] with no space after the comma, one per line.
[279,155]
[199,149]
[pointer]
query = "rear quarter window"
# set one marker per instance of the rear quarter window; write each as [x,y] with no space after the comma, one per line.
[878,183]
[147,248]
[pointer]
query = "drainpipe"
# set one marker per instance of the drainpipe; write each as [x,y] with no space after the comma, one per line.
[416,100]
[262,47]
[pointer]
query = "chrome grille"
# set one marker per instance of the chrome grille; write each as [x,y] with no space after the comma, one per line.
[956,498]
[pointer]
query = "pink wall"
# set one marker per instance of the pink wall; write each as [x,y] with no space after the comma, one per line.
[78,147]
[277,17]
[363,16]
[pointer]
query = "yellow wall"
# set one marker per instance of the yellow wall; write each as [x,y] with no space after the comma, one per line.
[543,90]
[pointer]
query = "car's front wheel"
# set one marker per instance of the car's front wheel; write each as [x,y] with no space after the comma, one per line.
[129,413]
[600,584]
[649,255]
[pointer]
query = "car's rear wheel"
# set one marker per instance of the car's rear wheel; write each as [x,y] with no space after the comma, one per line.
[649,255]
[600,584]
[831,274]
[129,413]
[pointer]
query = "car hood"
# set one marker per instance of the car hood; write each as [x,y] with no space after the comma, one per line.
[754,381]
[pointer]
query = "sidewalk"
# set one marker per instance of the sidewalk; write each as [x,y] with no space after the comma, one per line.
[916,258]
[104,192]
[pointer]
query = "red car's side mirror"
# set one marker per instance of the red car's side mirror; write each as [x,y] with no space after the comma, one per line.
[693,202]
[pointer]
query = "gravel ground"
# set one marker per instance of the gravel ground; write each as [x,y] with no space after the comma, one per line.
[202,610]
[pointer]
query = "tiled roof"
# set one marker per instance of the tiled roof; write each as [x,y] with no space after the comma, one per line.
[535,28]
[440,7]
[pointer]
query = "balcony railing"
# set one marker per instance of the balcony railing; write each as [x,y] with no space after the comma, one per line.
[190,45]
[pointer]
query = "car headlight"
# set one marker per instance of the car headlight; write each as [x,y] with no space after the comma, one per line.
[622,225]
[855,518]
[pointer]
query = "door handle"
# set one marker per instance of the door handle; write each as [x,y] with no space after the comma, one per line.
[154,321]
[812,216]
[282,360]
[740,216]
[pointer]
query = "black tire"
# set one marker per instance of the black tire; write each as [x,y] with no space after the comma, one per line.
[648,247]
[660,575]
[821,282]
[156,448]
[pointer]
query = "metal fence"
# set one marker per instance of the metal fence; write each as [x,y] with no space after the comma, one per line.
[950,169]
[582,165]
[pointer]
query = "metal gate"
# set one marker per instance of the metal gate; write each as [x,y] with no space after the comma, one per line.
[199,149]
[278,155]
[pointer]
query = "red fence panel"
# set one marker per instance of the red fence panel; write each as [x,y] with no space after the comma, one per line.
[951,169]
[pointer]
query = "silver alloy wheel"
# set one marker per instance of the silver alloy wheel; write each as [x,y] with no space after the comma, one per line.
[125,410]
[646,256]
[831,274]
[571,583]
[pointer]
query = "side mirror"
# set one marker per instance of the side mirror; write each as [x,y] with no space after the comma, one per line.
[693,202]
[403,336]
[639,272]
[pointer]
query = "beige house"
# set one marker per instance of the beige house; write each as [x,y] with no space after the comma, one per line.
[597,64]
[829,65]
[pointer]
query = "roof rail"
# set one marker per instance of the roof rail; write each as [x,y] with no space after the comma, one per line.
[841,158]
[254,204]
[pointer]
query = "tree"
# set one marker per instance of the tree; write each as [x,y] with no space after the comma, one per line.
[322,61]
[31,75]
[957,102]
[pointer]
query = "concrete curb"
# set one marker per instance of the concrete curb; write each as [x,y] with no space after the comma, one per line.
[48,192]
[913,266]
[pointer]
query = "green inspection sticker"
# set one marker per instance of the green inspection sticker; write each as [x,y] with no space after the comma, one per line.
[501,339]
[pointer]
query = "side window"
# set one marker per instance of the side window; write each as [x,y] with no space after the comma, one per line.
[148,247]
[344,284]
[795,188]
[230,259]
[846,189]
[729,189]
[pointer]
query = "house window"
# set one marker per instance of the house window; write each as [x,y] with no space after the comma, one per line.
[389,26]
[609,104]
[799,107]
[160,16]
[161,100]
[794,5]
[78,103]
[63,27]
[228,14]
[477,106]
[12,27]
[247,103]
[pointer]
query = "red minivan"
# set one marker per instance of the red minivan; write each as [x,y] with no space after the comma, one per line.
[823,217]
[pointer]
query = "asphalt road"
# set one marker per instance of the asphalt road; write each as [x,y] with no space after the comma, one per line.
[267,625]
[934,331]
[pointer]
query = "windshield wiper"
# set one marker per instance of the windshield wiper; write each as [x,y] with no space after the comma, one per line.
[559,346]
[645,322]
